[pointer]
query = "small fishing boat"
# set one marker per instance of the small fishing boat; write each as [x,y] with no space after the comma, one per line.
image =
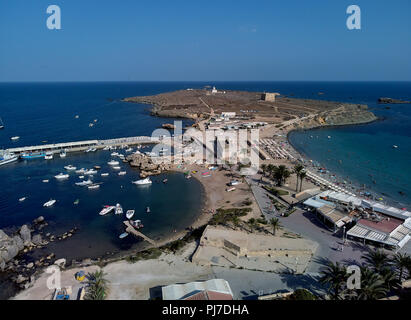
[136,224]
[48,156]
[97,167]
[63,154]
[113,163]
[114,154]
[395,146]
[119,209]
[129,214]
[116,168]
[106,209]
[122,173]
[49,203]
[70,167]
[94,186]
[165,180]
[61,176]
[148,210]
[45,180]
[22,199]
[90,124]
[76,202]
[81,171]
[143,181]
[77,116]
[105,174]
[129,150]
[106,148]
[15,138]
[123,235]
[81,177]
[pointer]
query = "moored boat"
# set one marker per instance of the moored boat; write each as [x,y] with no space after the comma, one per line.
[123,235]
[61,176]
[122,173]
[8,158]
[106,209]
[136,224]
[63,154]
[70,168]
[49,203]
[119,209]
[93,186]
[130,214]
[32,155]
[143,181]
[48,156]
[84,183]
[113,163]
[105,174]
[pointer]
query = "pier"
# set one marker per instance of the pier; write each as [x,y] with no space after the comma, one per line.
[84,145]
[131,229]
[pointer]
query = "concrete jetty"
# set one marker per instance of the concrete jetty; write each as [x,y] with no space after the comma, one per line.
[131,229]
[84,145]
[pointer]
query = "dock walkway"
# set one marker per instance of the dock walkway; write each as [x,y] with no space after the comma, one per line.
[131,229]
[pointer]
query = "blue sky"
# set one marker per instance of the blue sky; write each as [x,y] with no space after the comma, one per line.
[103,40]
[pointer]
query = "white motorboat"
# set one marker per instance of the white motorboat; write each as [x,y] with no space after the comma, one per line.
[106,209]
[63,154]
[143,181]
[15,138]
[114,154]
[119,209]
[122,173]
[129,150]
[148,210]
[105,174]
[70,168]
[94,186]
[130,214]
[48,156]
[81,177]
[106,148]
[61,176]
[22,199]
[116,168]
[113,163]
[45,180]
[90,172]
[81,171]
[91,150]
[137,224]
[49,203]
[8,158]
[84,183]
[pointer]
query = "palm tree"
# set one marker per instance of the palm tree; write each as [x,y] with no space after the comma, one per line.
[298,168]
[401,261]
[275,224]
[235,220]
[281,173]
[389,278]
[335,276]
[97,286]
[372,285]
[264,169]
[303,174]
[377,260]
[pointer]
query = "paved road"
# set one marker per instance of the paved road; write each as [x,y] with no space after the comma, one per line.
[247,284]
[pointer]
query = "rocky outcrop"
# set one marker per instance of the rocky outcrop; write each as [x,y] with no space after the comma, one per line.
[146,165]
[169,126]
[391,101]
[25,234]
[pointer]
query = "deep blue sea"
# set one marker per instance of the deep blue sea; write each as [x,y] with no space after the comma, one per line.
[40,112]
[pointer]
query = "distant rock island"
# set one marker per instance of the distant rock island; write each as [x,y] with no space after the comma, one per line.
[391,101]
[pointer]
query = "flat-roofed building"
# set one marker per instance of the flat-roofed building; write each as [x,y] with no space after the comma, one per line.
[214,289]
[269,96]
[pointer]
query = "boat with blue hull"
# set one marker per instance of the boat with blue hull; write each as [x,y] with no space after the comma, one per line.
[32,155]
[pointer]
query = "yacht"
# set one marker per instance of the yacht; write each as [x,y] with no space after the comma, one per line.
[70,168]
[63,154]
[143,181]
[90,172]
[61,176]
[49,203]
[106,209]
[7,158]
[94,186]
